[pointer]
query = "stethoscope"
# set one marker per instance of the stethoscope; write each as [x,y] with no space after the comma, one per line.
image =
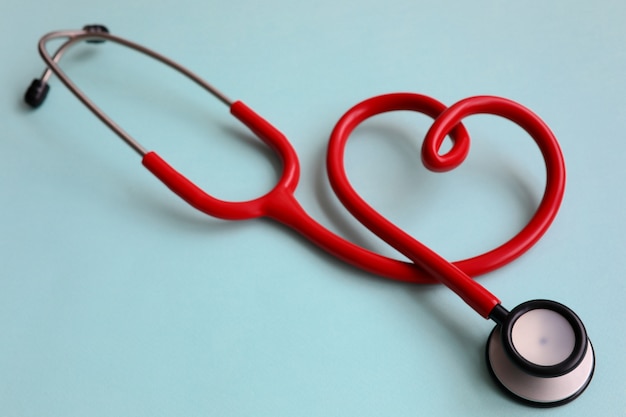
[539,352]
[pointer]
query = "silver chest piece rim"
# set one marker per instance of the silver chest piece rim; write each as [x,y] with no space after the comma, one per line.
[536,332]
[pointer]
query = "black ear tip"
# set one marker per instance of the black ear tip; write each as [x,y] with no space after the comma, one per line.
[95,29]
[36,93]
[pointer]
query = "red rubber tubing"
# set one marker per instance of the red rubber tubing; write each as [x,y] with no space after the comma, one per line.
[456,275]
[426,267]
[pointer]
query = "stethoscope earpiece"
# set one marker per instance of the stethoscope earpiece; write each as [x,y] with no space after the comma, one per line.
[36,93]
[95,29]
[38,89]
[540,353]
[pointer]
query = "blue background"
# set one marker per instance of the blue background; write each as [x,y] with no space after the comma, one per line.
[117,299]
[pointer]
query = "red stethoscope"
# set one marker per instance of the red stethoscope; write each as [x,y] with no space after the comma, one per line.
[539,352]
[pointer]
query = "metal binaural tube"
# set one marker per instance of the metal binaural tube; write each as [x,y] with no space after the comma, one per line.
[85,34]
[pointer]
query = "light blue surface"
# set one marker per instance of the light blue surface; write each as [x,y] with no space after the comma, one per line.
[116,299]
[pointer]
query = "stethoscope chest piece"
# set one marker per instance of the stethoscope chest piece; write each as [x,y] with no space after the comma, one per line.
[541,354]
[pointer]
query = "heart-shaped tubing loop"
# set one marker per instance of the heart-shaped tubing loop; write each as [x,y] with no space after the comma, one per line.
[448,121]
